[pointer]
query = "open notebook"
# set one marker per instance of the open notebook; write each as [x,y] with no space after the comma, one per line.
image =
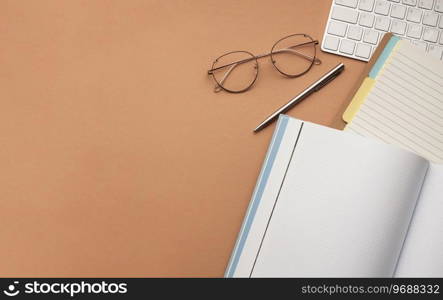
[404,100]
[333,204]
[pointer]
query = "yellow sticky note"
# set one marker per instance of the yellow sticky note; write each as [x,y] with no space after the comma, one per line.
[358,99]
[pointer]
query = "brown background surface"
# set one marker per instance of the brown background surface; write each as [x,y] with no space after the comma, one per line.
[116,157]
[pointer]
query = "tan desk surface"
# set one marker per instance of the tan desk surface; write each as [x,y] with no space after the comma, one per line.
[116,157]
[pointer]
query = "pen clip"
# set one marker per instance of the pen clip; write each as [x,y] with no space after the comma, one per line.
[325,82]
[332,77]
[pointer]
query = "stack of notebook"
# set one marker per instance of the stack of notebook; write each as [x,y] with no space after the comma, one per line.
[337,204]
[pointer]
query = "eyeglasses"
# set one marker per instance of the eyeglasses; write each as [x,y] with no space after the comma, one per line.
[237,71]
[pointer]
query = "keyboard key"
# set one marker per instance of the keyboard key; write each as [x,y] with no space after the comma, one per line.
[398,11]
[356,26]
[430,19]
[398,27]
[366,20]
[421,45]
[426,4]
[363,50]
[344,14]
[337,28]
[347,47]
[382,23]
[415,30]
[370,36]
[366,5]
[348,3]
[436,51]
[382,7]
[414,15]
[331,43]
[355,32]
[410,2]
[430,35]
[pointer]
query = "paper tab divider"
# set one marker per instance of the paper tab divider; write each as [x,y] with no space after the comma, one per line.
[358,99]
[367,79]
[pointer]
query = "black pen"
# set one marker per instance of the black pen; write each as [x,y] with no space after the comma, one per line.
[324,80]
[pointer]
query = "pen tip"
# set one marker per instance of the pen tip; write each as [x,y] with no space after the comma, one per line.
[258,128]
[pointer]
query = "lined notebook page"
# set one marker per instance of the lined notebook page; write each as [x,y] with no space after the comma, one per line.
[405,105]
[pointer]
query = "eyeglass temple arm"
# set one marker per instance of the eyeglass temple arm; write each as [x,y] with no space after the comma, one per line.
[316,60]
[217,87]
[310,58]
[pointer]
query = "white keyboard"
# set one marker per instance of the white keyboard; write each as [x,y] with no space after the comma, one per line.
[356,26]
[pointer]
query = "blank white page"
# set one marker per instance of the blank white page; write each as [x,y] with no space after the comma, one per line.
[422,254]
[405,105]
[334,204]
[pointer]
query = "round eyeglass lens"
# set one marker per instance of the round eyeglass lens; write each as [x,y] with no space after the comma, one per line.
[294,55]
[235,71]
